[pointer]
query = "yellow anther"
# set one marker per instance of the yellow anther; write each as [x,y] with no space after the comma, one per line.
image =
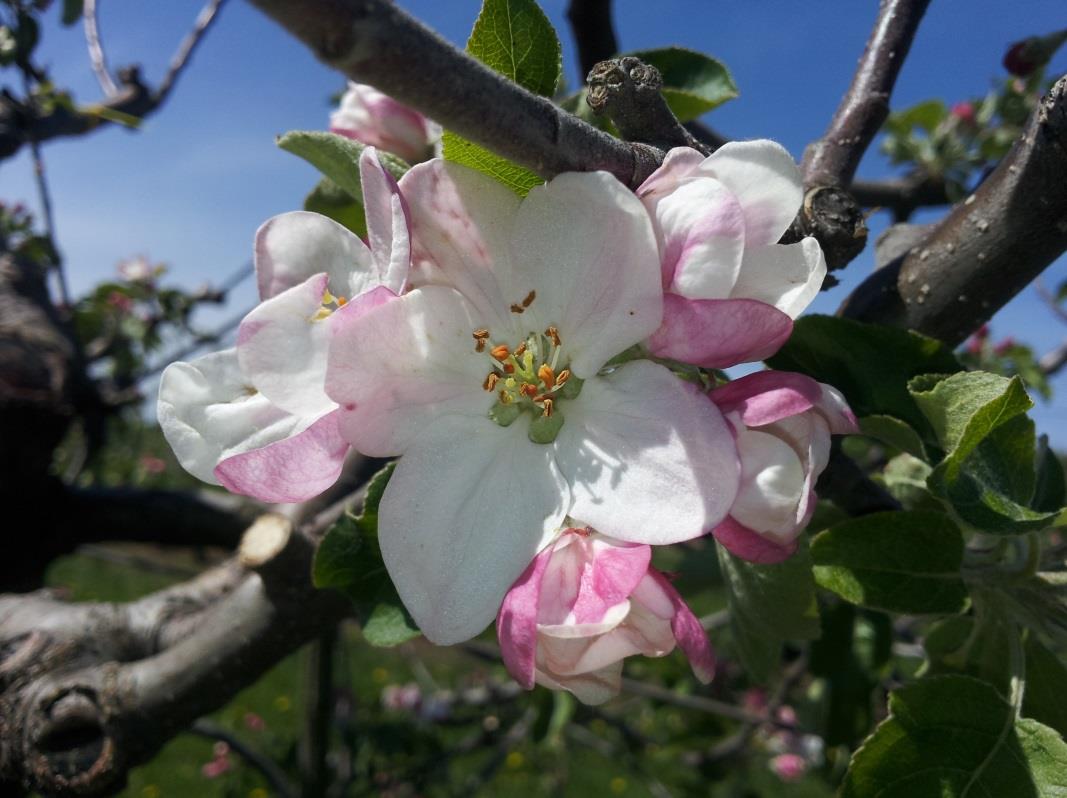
[510,383]
[506,398]
[546,375]
[328,298]
[500,352]
[341,301]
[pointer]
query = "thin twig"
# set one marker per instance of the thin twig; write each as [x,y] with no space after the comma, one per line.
[97,58]
[266,766]
[832,160]
[207,15]
[1053,362]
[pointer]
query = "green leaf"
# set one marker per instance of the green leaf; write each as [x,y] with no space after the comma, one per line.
[988,473]
[336,157]
[331,200]
[72,11]
[956,737]
[896,561]
[693,83]
[1046,678]
[1050,490]
[894,432]
[515,38]
[350,559]
[926,116]
[518,179]
[905,478]
[870,364]
[389,625]
[769,604]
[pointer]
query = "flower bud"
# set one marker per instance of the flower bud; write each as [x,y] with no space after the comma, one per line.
[585,604]
[783,422]
[1028,55]
[376,119]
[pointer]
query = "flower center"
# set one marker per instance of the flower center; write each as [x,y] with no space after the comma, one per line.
[330,303]
[530,377]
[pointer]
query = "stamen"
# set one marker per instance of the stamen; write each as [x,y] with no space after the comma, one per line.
[509,368]
[481,335]
[520,350]
[341,301]
[528,390]
[500,352]
[546,375]
[530,297]
[505,398]
[553,335]
[547,404]
[517,308]
[491,379]
[562,377]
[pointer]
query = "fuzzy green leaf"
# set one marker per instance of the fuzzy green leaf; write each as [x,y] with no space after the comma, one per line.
[336,157]
[896,561]
[331,200]
[956,737]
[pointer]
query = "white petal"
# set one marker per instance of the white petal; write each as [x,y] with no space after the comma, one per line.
[703,238]
[282,349]
[766,181]
[207,412]
[585,244]
[649,457]
[461,222]
[772,484]
[292,247]
[397,369]
[388,230]
[787,276]
[468,507]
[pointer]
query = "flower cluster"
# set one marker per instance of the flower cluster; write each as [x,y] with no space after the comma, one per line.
[523,359]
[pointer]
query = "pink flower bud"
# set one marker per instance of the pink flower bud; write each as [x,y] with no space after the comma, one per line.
[789,767]
[783,422]
[376,119]
[964,112]
[1028,55]
[119,301]
[254,722]
[406,697]
[216,767]
[586,603]
[1004,346]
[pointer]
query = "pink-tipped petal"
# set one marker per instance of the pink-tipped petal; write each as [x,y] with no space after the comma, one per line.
[678,165]
[835,410]
[388,229]
[703,239]
[718,333]
[610,578]
[742,542]
[291,470]
[516,623]
[292,247]
[691,637]
[767,182]
[768,396]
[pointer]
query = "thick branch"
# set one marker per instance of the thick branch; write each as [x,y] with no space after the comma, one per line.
[375,42]
[594,33]
[989,247]
[901,196]
[90,690]
[832,160]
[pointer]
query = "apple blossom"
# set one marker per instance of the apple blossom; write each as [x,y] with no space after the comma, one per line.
[732,291]
[376,119]
[586,603]
[783,423]
[256,418]
[491,378]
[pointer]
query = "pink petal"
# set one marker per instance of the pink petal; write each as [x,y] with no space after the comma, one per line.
[742,542]
[291,470]
[610,578]
[718,333]
[691,637]
[516,623]
[388,227]
[768,396]
[679,164]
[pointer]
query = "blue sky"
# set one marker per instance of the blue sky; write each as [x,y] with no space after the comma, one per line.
[191,187]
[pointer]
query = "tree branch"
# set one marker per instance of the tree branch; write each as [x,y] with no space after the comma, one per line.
[627,90]
[375,42]
[832,160]
[989,247]
[91,690]
[97,59]
[594,33]
[901,196]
